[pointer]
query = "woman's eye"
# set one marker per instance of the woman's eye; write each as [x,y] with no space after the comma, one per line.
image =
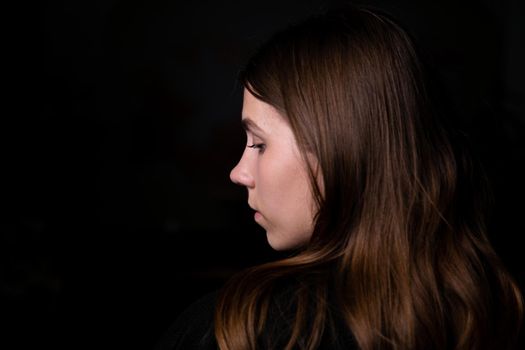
[259,146]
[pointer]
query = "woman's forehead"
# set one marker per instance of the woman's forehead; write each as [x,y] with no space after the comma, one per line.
[259,116]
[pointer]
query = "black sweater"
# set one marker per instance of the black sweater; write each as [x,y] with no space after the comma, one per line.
[193,329]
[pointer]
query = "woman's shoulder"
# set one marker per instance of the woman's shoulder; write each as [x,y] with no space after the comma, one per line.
[283,309]
[193,328]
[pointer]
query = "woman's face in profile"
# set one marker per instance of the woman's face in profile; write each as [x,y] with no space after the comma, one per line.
[273,171]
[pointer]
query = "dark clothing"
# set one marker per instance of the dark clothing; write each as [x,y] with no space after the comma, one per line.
[193,329]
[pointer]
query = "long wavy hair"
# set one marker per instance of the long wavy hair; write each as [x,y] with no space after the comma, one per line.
[399,246]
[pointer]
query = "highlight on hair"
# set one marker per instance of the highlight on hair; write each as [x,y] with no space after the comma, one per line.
[399,244]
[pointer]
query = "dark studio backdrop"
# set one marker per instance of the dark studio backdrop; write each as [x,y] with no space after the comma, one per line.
[121,123]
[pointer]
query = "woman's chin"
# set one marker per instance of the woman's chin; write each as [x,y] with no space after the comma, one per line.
[274,243]
[279,244]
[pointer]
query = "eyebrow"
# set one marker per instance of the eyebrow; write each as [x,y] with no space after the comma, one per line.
[250,125]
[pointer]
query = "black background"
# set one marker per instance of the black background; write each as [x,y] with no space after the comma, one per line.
[120,125]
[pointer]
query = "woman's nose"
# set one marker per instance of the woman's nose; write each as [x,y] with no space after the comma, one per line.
[241,175]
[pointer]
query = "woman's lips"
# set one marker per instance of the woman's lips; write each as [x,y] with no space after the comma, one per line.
[257,216]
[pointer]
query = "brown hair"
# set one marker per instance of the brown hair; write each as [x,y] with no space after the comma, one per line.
[399,237]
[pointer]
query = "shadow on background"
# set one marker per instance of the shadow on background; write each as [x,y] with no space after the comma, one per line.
[122,124]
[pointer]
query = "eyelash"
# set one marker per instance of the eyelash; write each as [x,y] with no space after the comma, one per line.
[259,146]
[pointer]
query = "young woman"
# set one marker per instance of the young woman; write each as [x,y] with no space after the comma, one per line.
[348,165]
